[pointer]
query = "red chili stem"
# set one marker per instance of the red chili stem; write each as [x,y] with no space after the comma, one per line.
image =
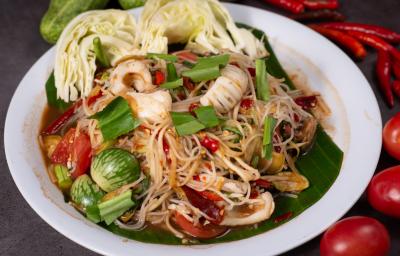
[384,33]
[320,4]
[396,87]
[383,74]
[319,15]
[375,42]
[288,5]
[205,205]
[346,41]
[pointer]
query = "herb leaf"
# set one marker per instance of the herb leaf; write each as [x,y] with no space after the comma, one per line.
[207,62]
[116,119]
[186,124]
[51,94]
[202,74]
[207,116]
[173,84]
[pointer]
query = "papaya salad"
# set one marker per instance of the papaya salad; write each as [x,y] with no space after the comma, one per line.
[179,129]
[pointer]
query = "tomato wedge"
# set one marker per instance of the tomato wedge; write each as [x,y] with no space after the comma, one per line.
[63,149]
[81,154]
[391,136]
[199,230]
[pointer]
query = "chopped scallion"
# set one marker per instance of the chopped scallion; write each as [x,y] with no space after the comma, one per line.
[173,84]
[101,57]
[167,57]
[202,74]
[111,209]
[269,126]
[233,130]
[186,124]
[171,72]
[206,62]
[207,116]
[254,161]
[261,80]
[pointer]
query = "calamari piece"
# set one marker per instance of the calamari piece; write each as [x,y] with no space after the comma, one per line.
[151,107]
[227,90]
[256,212]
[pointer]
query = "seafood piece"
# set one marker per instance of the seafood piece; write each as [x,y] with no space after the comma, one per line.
[260,210]
[227,90]
[151,107]
[131,73]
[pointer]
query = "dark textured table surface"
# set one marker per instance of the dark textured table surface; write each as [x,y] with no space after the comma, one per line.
[23,232]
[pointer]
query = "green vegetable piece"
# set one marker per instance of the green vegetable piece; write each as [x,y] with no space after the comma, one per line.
[84,192]
[116,119]
[167,57]
[171,72]
[202,74]
[101,57]
[188,64]
[269,126]
[233,130]
[93,213]
[51,94]
[207,62]
[129,4]
[111,209]
[207,116]
[186,124]
[113,168]
[173,84]
[64,180]
[261,81]
[61,12]
[254,161]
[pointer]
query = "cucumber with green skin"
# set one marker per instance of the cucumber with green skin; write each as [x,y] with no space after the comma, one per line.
[85,192]
[129,4]
[113,168]
[61,12]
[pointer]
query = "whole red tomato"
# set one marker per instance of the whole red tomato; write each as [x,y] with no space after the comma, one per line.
[355,236]
[384,191]
[391,136]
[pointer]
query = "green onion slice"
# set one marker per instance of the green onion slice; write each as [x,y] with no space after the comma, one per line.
[186,124]
[203,74]
[111,209]
[101,57]
[171,72]
[167,57]
[207,62]
[269,126]
[261,80]
[173,84]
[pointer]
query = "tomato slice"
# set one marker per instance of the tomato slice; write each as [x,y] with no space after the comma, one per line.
[199,230]
[391,136]
[62,153]
[81,154]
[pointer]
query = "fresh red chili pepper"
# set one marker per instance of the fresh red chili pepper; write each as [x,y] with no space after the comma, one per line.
[396,69]
[252,71]
[288,5]
[207,206]
[193,107]
[396,87]
[348,42]
[306,102]
[165,146]
[210,144]
[254,193]
[320,4]
[283,217]
[383,73]
[56,125]
[159,77]
[263,183]
[382,32]
[375,42]
[188,84]
[246,103]
[319,15]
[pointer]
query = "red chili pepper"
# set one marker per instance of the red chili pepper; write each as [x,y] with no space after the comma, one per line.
[207,206]
[319,15]
[288,5]
[263,183]
[56,125]
[252,71]
[159,77]
[396,87]
[165,146]
[188,56]
[283,217]
[188,84]
[193,107]
[375,42]
[320,4]
[383,73]
[348,42]
[396,69]
[254,193]
[382,32]
[246,103]
[210,144]
[306,102]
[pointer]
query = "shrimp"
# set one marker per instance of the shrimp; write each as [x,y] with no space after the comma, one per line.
[131,73]
[227,90]
[151,107]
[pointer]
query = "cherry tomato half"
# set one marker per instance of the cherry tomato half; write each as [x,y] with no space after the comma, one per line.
[391,136]
[355,236]
[384,191]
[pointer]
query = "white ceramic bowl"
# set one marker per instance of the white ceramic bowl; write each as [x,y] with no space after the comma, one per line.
[356,119]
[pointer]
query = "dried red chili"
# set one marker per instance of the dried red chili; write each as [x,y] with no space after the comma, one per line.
[383,73]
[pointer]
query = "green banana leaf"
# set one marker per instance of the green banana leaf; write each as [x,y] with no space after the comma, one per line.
[321,166]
